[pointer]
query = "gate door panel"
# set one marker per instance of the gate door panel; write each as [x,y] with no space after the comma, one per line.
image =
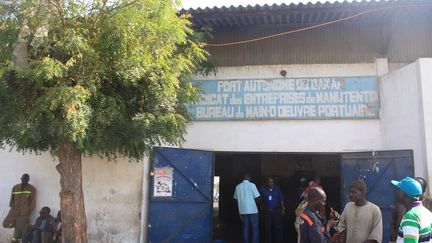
[377,169]
[182,196]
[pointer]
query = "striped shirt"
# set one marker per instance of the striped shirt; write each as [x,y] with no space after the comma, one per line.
[416,225]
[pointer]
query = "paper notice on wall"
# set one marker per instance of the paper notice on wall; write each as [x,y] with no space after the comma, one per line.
[163,182]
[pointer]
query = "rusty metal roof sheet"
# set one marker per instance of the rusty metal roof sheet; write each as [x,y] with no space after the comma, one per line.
[304,14]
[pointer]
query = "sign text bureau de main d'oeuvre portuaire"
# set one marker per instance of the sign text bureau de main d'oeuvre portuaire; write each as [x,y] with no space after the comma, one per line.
[287,98]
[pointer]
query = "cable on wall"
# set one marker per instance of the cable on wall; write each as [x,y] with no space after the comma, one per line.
[316,26]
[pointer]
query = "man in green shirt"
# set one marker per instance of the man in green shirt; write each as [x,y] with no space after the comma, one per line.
[416,225]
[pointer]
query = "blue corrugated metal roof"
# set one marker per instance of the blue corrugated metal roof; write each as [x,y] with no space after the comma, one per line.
[304,13]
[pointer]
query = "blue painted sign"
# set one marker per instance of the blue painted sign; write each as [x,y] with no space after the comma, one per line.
[287,98]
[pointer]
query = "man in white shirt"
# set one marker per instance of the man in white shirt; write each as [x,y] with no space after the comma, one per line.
[361,221]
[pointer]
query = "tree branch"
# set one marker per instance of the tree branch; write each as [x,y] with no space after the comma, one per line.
[99,15]
[60,10]
[124,6]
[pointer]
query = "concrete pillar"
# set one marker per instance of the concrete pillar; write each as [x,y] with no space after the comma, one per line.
[382,66]
[145,207]
[425,78]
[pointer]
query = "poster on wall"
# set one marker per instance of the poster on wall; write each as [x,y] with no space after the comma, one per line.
[163,182]
[287,98]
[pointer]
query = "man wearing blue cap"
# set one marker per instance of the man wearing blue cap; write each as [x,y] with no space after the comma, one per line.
[416,225]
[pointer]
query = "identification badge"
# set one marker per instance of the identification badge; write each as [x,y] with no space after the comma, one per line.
[270,197]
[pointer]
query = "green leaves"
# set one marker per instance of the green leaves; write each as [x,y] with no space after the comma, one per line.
[110,77]
[49,70]
[68,110]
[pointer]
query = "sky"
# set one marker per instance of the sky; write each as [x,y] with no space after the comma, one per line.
[219,3]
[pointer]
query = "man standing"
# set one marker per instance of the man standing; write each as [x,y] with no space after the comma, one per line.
[273,207]
[246,194]
[400,209]
[312,227]
[302,206]
[22,203]
[416,225]
[426,200]
[43,229]
[361,221]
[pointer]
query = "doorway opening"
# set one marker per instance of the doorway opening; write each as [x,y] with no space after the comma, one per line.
[287,169]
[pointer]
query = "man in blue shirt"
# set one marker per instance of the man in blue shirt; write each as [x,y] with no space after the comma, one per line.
[273,207]
[312,227]
[246,195]
[42,230]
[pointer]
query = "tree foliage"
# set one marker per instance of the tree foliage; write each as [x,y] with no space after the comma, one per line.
[110,77]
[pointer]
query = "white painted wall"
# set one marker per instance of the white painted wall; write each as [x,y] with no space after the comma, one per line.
[285,136]
[406,112]
[294,71]
[288,135]
[112,192]
[426,89]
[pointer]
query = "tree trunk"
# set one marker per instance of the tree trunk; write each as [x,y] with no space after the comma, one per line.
[74,223]
[20,52]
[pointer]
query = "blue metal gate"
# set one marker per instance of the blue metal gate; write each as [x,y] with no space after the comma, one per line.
[377,169]
[182,196]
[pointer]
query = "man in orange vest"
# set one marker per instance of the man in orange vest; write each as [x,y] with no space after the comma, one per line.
[22,203]
[312,226]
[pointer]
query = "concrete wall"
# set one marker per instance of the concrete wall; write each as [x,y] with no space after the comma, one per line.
[426,89]
[406,112]
[112,192]
[288,135]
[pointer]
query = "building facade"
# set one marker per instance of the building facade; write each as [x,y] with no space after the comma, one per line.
[367,67]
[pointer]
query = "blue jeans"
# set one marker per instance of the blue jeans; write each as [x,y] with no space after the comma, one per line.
[31,235]
[36,236]
[250,223]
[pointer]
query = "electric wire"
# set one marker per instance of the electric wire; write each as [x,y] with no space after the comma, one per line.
[316,26]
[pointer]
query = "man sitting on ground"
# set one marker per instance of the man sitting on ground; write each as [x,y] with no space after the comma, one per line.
[43,229]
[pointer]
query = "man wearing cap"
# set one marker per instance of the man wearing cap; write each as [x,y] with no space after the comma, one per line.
[22,203]
[400,209]
[416,225]
[361,221]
